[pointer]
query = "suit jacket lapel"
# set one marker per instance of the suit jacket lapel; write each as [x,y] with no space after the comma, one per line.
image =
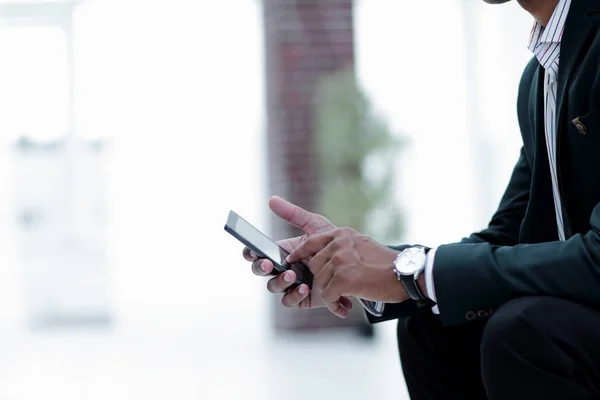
[577,29]
[536,104]
[541,167]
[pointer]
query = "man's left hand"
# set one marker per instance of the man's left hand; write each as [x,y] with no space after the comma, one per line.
[348,263]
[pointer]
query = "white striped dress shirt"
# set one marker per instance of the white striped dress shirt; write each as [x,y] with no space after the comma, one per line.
[545,44]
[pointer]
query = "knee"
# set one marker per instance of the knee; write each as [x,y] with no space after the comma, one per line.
[516,324]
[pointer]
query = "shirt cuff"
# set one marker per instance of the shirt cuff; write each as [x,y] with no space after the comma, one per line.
[375,308]
[429,286]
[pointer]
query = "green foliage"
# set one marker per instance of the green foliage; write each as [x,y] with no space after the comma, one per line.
[357,155]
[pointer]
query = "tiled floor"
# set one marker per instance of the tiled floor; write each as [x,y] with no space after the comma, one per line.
[172,359]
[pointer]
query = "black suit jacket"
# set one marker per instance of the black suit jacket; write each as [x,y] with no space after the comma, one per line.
[519,253]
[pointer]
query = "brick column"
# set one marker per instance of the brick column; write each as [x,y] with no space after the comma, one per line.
[305,40]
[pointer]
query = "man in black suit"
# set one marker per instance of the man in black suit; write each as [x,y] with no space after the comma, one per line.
[511,312]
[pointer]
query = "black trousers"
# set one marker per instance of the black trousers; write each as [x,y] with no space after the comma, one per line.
[531,348]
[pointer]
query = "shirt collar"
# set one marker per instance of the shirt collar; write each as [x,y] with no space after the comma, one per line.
[553,32]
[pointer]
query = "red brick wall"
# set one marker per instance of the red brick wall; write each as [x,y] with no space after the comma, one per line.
[305,40]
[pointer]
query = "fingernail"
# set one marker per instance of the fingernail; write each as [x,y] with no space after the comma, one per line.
[253,254]
[287,259]
[302,290]
[262,266]
[287,277]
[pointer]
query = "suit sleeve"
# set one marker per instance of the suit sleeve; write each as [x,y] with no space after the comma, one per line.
[503,230]
[483,276]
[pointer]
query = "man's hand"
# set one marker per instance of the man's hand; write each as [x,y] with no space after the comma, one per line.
[347,263]
[311,224]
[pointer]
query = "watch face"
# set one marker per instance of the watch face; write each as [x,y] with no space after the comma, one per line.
[410,261]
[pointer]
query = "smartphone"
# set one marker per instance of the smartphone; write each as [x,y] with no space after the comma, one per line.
[264,247]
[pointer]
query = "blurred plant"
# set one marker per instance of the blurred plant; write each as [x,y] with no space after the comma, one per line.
[356,154]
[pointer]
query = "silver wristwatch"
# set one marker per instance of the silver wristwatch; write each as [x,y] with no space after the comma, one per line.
[408,266]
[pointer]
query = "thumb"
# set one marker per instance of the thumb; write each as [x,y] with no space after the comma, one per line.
[309,222]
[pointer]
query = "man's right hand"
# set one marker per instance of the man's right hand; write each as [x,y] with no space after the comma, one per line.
[300,297]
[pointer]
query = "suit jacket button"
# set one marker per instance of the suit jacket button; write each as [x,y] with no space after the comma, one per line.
[470,315]
[580,126]
[482,314]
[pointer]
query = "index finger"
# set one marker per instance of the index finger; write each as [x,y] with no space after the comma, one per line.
[310,247]
[297,216]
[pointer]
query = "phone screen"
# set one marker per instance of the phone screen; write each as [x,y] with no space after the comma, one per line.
[255,238]
[260,240]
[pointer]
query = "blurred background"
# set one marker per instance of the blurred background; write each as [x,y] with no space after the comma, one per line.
[129,129]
